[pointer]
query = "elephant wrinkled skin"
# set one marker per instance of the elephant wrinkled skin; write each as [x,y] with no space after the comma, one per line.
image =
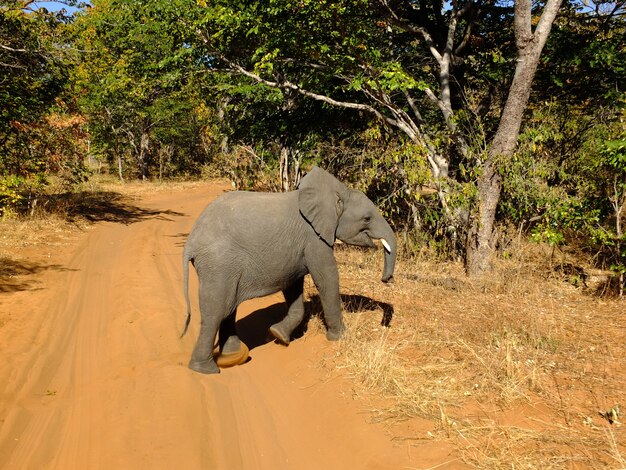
[249,244]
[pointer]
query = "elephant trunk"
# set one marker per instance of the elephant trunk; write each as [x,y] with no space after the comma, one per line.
[388,239]
[390,260]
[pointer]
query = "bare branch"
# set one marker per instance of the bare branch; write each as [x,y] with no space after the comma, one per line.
[445,103]
[468,29]
[291,86]
[3,64]
[413,105]
[404,25]
[550,10]
[431,96]
[7,48]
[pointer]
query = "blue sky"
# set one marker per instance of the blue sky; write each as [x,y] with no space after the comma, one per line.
[54,6]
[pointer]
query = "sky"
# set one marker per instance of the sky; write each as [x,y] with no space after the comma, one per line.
[54,6]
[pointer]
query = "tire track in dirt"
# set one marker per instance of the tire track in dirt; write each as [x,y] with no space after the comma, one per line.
[97,375]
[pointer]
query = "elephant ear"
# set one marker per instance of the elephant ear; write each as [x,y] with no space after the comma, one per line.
[321,203]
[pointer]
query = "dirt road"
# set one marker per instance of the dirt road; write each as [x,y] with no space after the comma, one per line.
[93,372]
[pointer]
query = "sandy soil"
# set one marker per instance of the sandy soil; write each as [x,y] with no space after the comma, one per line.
[93,372]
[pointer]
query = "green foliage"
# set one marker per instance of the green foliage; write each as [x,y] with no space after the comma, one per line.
[614,155]
[345,50]
[32,72]
[567,182]
[154,90]
[137,85]
[585,61]
[34,66]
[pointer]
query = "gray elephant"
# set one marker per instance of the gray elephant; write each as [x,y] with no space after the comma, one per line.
[249,244]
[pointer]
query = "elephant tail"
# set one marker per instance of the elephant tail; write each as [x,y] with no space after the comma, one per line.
[186,258]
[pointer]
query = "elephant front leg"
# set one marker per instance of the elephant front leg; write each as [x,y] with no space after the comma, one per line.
[323,269]
[294,297]
[232,351]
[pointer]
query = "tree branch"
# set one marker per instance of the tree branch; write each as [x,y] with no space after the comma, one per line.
[287,85]
[413,105]
[523,23]
[550,10]
[10,49]
[468,28]
[404,25]
[12,66]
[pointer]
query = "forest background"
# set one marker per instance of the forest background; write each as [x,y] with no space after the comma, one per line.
[425,106]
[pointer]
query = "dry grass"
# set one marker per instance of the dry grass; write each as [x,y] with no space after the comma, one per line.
[136,188]
[496,447]
[59,213]
[17,232]
[514,368]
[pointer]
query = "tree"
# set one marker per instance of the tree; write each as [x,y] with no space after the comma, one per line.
[563,185]
[529,44]
[392,60]
[136,83]
[613,162]
[33,71]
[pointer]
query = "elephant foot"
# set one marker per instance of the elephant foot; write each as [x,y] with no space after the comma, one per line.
[235,358]
[204,367]
[334,335]
[278,333]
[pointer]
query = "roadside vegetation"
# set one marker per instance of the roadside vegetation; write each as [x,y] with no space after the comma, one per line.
[517,370]
[420,106]
[507,316]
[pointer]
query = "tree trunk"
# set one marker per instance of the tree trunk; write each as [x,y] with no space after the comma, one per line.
[618,201]
[116,151]
[144,145]
[119,168]
[297,173]
[165,153]
[284,169]
[482,236]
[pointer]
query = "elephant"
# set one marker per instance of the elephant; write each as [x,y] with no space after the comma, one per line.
[251,244]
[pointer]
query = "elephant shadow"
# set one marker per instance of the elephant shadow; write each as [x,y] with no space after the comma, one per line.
[253,329]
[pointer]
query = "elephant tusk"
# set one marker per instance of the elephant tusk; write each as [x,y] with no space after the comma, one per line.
[386,245]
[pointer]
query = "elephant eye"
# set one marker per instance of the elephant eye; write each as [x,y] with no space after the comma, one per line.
[368,218]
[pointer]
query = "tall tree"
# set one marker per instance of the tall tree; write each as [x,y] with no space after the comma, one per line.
[529,45]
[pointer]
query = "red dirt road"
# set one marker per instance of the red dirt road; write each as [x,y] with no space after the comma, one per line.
[93,372]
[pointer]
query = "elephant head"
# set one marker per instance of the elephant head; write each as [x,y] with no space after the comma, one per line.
[338,212]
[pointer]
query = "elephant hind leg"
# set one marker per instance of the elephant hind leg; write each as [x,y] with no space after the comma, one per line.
[228,340]
[202,357]
[213,309]
[293,296]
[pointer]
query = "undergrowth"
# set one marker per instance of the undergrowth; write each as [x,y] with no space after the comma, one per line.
[516,368]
